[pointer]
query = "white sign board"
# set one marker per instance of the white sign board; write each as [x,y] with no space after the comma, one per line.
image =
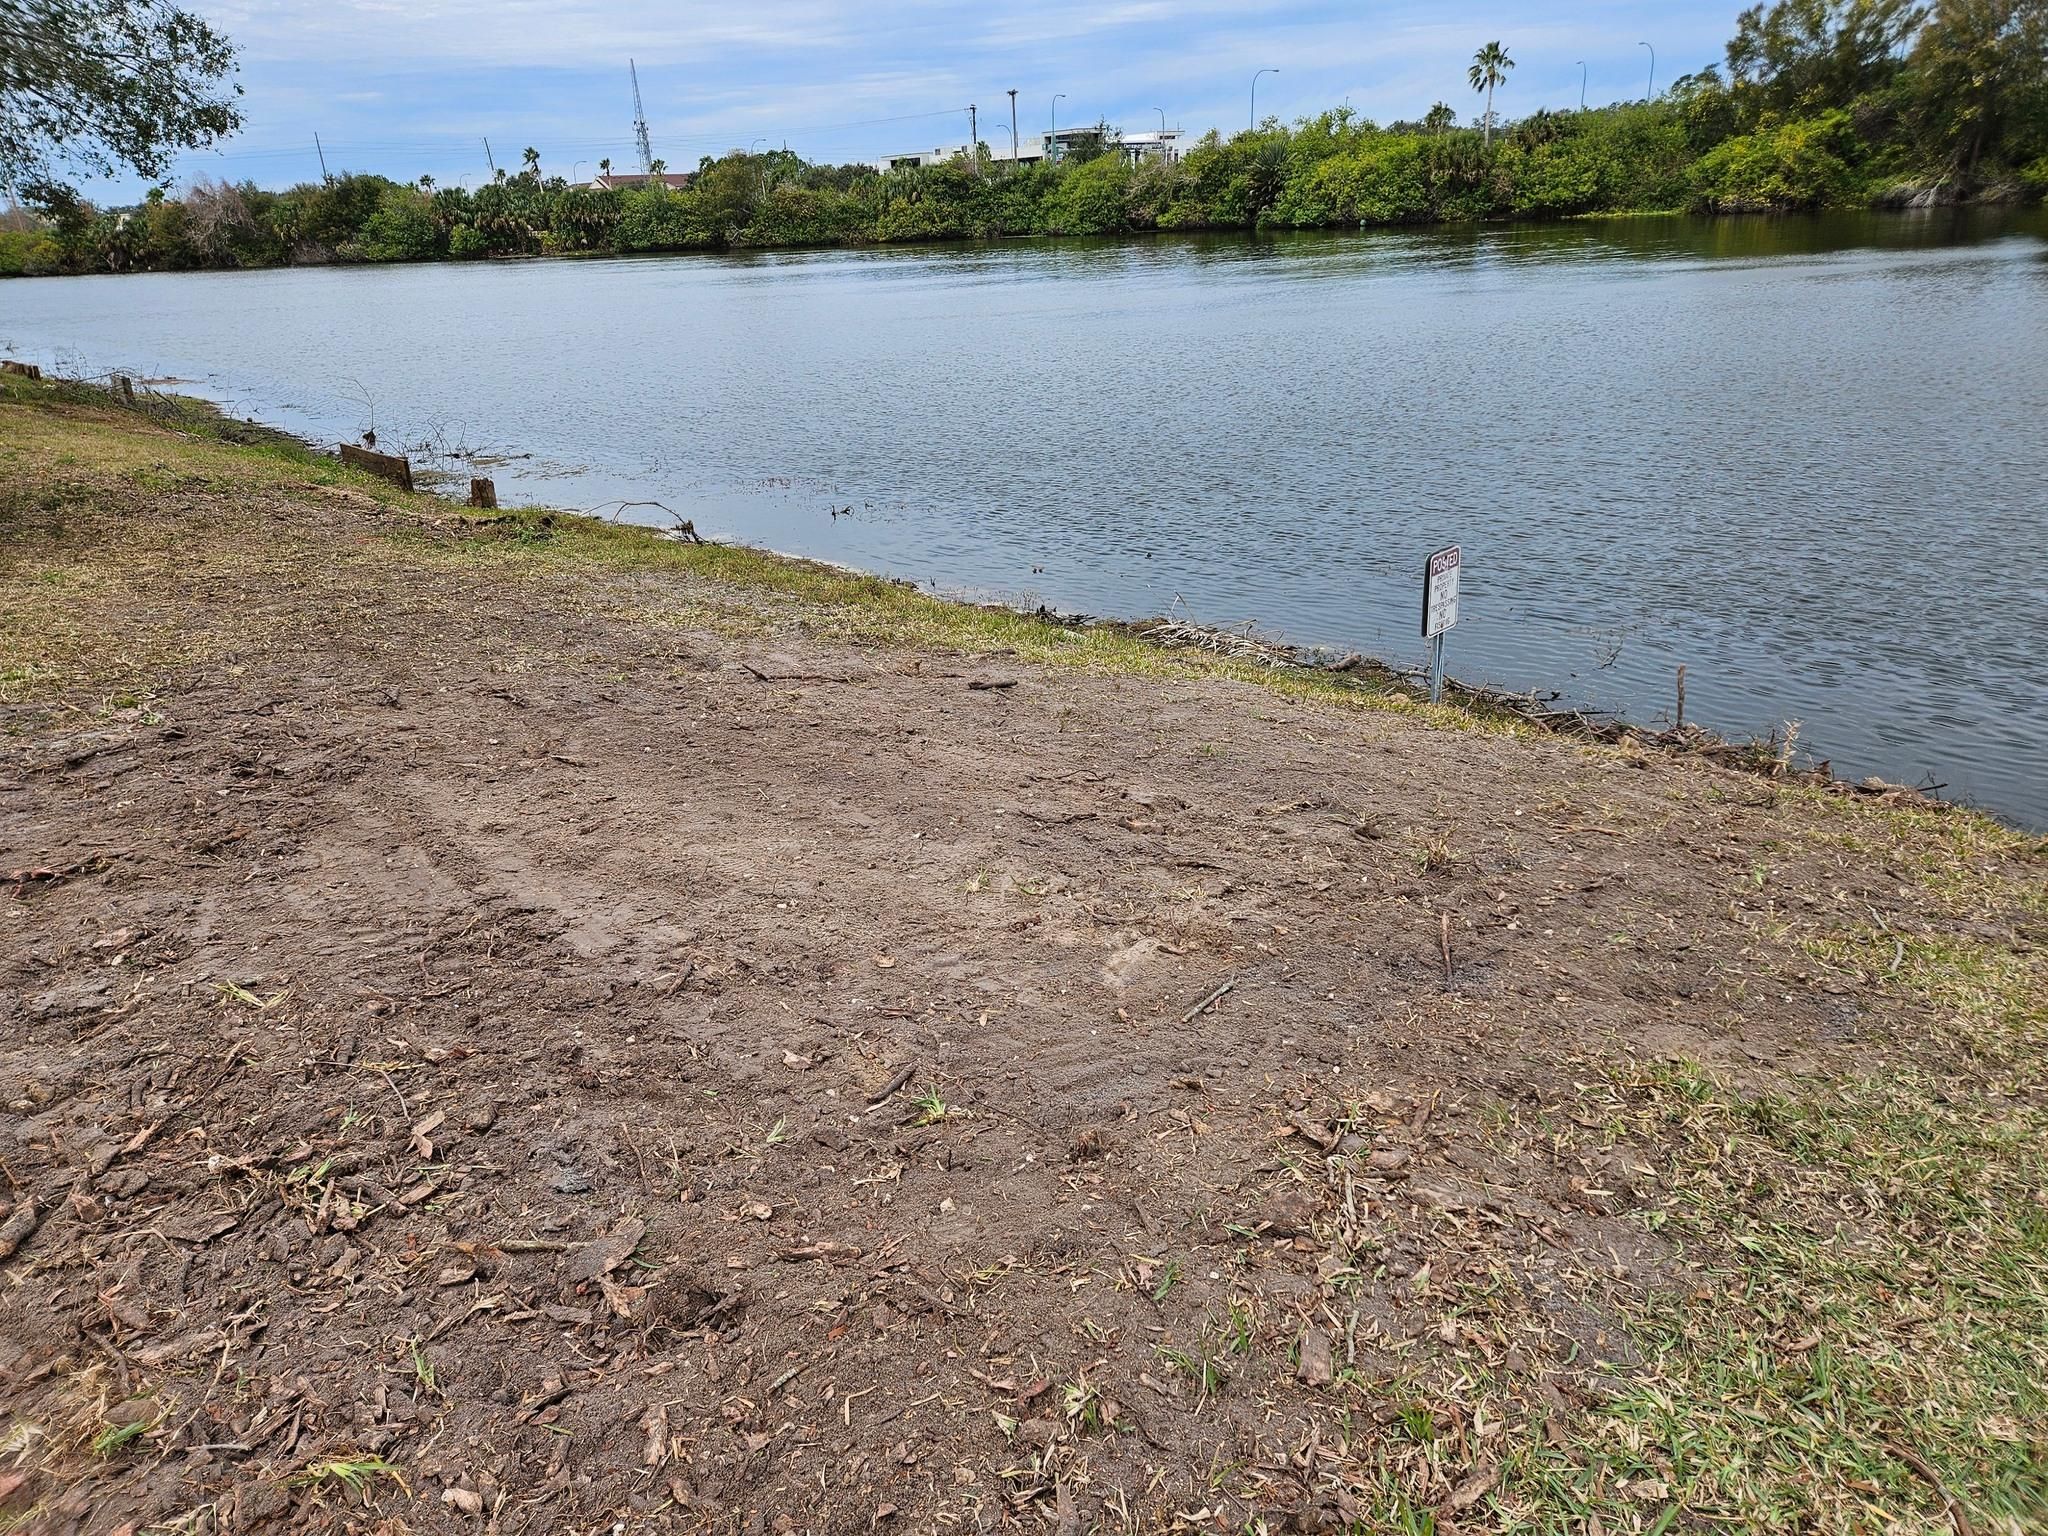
[1440,592]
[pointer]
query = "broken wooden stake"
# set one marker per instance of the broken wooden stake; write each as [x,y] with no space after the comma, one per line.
[1208,1002]
[482,493]
[21,370]
[385,466]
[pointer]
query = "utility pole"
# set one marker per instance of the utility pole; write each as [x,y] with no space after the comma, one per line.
[487,158]
[323,158]
[1013,128]
[973,140]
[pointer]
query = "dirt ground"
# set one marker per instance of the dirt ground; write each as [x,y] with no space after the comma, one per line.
[522,1045]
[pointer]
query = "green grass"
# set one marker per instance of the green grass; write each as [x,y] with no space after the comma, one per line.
[865,610]
[1963,861]
[1869,1303]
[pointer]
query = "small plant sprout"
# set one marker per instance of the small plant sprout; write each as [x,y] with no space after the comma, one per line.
[355,1473]
[1202,1368]
[114,1436]
[1241,1327]
[422,1368]
[931,1109]
[1169,1277]
[1082,1405]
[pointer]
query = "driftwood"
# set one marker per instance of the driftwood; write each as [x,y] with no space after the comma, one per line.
[385,466]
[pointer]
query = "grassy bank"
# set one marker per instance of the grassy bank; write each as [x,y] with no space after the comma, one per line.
[97,439]
[1729,1132]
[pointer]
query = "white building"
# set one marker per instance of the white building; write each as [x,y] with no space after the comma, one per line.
[1163,144]
[911,159]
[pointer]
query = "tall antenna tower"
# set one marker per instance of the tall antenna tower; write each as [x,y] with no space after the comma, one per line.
[640,124]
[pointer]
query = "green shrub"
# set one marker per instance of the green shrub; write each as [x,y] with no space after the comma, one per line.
[1790,165]
[29,253]
[1383,179]
[402,228]
[1089,199]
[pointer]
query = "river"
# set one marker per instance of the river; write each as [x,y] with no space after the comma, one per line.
[1805,458]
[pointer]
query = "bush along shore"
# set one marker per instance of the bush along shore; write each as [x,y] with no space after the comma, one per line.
[1869,103]
[516,1016]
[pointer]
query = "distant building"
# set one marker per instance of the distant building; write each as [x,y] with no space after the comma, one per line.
[911,159]
[1162,145]
[675,181]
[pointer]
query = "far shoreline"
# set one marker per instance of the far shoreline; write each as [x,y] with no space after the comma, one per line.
[1985,211]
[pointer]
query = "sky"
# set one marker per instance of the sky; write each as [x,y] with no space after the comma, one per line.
[403,87]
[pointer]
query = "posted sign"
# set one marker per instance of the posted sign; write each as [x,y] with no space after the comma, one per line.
[1440,592]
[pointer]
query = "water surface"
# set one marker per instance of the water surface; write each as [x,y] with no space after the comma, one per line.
[1804,458]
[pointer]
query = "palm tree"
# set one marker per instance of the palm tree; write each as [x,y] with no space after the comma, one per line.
[604,166]
[1490,66]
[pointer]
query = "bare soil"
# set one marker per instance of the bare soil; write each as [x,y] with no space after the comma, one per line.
[539,1047]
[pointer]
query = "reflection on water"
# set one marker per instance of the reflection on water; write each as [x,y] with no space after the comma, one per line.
[1803,457]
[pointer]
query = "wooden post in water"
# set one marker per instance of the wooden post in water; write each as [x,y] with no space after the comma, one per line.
[482,493]
[386,466]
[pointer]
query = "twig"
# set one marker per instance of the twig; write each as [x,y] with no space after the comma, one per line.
[1208,1002]
[1446,937]
[1957,1515]
[634,1147]
[900,1080]
[793,677]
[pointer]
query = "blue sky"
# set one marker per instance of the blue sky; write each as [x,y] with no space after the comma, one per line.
[406,86]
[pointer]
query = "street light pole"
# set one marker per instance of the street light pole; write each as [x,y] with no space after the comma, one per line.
[1162,119]
[575,170]
[1652,96]
[1255,96]
[1582,85]
[1052,139]
[1013,129]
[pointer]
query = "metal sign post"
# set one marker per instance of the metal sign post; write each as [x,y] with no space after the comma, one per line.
[1439,611]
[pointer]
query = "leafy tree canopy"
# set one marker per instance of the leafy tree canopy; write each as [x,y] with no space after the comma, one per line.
[1803,55]
[101,86]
